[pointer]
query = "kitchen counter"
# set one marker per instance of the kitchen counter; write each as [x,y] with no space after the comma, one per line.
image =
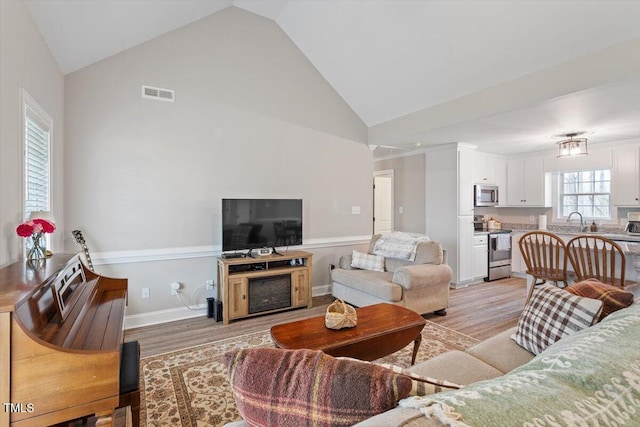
[629,243]
[618,237]
[492,230]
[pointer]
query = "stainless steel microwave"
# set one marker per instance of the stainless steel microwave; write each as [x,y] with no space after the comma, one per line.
[485,195]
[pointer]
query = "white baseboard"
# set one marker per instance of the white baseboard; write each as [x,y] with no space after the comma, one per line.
[182,313]
[161,316]
[317,291]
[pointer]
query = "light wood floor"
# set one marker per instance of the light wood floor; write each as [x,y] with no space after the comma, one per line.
[479,311]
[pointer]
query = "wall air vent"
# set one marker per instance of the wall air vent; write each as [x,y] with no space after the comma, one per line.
[158,93]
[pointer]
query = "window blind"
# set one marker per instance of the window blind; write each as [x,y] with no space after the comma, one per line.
[37,153]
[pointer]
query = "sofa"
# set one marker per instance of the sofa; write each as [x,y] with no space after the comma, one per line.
[586,377]
[591,377]
[419,282]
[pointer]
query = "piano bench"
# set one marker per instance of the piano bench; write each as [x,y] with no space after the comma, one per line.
[130,380]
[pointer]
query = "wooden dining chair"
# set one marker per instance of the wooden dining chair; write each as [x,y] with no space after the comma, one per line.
[545,256]
[594,257]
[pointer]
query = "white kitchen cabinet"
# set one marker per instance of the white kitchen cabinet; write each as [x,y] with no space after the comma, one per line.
[491,169]
[501,179]
[488,168]
[465,249]
[465,183]
[517,263]
[480,256]
[483,168]
[626,177]
[526,182]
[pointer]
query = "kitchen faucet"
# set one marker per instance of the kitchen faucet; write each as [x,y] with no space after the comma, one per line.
[583,228]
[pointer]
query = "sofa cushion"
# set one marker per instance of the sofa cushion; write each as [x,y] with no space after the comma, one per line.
[422,385]
[551,314]
[613,298]
[308,387]
[367,261]
[501,352]
[457,367]
[375,283]
[429,252]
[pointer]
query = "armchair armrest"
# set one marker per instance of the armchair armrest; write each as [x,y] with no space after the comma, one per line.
[422,275]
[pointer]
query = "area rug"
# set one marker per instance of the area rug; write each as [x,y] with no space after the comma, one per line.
[189,387]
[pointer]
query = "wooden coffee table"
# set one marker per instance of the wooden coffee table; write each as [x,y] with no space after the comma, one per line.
[382,329]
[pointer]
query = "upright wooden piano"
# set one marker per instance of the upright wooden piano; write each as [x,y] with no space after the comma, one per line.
[61,331]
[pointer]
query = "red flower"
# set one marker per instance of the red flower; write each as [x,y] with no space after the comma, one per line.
[47,227]
[24,230]
[38,225]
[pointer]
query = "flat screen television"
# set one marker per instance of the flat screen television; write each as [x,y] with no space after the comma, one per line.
[260,223]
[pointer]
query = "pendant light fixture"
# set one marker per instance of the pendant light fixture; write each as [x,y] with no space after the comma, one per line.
[572,147]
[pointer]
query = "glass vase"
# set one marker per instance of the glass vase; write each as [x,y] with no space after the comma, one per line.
[37,247]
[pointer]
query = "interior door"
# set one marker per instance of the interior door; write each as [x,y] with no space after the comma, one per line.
[383,202]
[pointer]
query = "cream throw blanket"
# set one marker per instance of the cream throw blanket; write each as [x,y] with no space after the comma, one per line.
[398,245]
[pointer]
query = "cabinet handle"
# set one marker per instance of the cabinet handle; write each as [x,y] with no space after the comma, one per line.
[244,297]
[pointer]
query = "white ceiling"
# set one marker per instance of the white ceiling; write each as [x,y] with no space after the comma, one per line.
[388,59]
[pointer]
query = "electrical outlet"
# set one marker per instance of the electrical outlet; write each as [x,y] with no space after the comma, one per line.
[175,288]
[145,293]
[210,285]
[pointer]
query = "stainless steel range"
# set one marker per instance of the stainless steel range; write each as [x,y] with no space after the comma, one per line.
[499,254]
[633,226]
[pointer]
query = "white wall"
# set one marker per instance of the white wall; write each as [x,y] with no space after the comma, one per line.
[252,118]
[25,62]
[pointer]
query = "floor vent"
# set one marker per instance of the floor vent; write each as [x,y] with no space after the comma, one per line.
[158,93]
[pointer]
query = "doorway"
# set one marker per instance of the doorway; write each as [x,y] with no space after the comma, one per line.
[383,202]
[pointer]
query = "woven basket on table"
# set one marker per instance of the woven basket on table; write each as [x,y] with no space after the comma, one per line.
[340,315]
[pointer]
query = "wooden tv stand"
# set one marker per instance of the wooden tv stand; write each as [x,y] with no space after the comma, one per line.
[241,279]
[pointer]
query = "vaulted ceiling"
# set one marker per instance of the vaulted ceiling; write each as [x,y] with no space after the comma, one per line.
[504,75]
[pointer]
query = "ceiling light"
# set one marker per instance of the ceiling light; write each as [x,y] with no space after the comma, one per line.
[572,147]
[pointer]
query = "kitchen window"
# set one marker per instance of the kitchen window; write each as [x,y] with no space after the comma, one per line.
[587,192]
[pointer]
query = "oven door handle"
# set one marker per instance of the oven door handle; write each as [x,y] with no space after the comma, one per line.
[492,243]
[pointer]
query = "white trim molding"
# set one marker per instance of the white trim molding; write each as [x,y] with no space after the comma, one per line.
[163,254]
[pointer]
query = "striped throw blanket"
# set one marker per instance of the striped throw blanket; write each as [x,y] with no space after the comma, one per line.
[398,245]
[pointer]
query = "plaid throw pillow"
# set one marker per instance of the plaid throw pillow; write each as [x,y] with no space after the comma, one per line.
[551,314]
[367,261]
[613,298]
[276,387]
